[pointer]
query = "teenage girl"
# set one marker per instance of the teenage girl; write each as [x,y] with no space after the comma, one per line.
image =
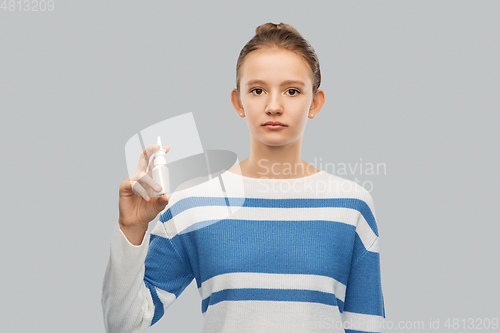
[323,276]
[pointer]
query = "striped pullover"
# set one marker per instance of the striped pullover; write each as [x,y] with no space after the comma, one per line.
[267,255]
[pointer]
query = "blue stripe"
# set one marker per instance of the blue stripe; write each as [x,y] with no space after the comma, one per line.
[351,203]
[364,288]
[358,249]
[164,269]
[356,331]
[279,247]
[198,225]
[341,305]
[159,311]
[287,295]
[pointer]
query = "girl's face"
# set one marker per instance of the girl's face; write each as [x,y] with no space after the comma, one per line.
[276,85]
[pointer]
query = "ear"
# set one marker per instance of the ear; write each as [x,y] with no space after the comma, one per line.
[235,99]
[317,102]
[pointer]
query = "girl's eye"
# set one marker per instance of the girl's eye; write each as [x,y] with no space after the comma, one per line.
[258,91]
[293,92]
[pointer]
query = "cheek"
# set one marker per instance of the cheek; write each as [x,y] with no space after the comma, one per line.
[253,110]
[250,106]
[252,119]
[300,109]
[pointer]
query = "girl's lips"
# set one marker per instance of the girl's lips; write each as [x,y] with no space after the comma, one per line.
[274,126]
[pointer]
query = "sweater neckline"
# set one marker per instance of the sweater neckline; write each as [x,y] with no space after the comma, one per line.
[252,179]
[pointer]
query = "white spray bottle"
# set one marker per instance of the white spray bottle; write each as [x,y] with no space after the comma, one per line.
[160,171]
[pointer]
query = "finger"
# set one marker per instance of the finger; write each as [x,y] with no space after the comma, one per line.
[147,182]
[165,197]
[144,157]
[125,186]
[138,189]
[138,175]
[151,166]
[163,200]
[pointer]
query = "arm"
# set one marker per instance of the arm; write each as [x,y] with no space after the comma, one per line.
[141,281]
[363,309]
[133,294]
[126,302]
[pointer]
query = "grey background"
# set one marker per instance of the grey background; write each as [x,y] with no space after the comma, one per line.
[411,84]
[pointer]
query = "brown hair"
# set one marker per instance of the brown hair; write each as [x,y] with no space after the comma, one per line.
[284,36]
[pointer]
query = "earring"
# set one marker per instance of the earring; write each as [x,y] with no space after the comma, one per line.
[312,115]
[241,113]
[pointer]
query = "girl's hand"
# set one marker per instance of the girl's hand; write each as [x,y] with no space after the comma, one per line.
[137,204]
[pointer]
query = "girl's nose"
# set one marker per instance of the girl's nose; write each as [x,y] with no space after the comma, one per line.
[274,104]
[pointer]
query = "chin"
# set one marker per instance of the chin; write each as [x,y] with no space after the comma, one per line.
[274,143]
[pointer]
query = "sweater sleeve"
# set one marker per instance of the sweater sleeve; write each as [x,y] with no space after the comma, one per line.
[141,281]
[364,309]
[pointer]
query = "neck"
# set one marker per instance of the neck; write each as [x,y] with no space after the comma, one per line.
[276,162]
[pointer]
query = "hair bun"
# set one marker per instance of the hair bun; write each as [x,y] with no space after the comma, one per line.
[270,26]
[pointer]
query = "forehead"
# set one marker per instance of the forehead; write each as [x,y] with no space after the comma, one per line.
[275,65]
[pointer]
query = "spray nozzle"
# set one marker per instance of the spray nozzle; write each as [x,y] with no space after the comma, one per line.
[160,154]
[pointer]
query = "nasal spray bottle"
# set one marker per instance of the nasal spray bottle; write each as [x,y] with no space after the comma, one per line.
[160,171]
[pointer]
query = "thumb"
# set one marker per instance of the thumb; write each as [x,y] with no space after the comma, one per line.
[162,201]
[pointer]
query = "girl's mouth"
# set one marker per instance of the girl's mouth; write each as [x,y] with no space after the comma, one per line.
[274,127]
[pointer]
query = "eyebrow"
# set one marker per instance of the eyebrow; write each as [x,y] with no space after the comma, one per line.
[284,83]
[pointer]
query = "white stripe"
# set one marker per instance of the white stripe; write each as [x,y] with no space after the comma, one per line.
[192,216]
[375,247]
[363,322]
[195,215]
[165,297]
[271,316]
[198,214]
[242,280]
[365,233]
